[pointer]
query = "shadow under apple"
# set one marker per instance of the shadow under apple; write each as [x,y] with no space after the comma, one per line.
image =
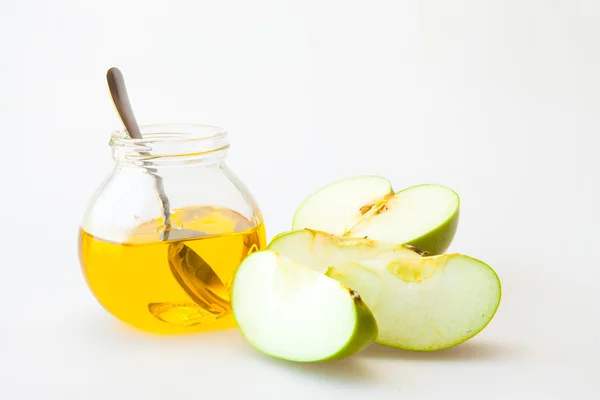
[468,351]
[350,369]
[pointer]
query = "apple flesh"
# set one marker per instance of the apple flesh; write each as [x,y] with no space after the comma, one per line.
[288,311]
[424,216]
[320,250]
[425,303]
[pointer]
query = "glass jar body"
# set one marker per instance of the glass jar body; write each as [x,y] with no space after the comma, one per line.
[163,236]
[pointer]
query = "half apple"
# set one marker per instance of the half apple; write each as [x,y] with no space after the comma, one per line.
[424,216]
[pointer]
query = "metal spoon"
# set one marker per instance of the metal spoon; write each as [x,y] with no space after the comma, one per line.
[118,91]
[193,273]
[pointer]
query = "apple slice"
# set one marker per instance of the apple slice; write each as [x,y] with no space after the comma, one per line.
[320,250]
[427,303]
[289,311]
[425,216]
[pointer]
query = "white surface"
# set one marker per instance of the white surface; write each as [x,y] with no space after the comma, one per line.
[498,100]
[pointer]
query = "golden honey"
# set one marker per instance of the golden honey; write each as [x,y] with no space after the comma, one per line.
[178,285]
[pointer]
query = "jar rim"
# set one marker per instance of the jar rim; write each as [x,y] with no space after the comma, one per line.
[170,144]
[161,133]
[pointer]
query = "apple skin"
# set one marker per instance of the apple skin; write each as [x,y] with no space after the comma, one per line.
[365,330]
[437,241]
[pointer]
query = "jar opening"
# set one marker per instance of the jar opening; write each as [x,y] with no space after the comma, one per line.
[167,143]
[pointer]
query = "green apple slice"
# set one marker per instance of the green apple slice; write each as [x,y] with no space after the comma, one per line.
[320,250]
[425,216]
[289,311]
[427,303]
[338,206]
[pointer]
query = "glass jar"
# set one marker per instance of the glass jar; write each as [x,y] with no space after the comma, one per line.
[163,236]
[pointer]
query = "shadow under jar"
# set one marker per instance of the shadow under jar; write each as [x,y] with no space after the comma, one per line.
[169,276]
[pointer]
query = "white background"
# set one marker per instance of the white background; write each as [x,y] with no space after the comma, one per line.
[499,100]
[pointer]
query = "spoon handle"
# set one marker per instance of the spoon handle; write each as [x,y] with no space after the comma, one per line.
[118,91]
